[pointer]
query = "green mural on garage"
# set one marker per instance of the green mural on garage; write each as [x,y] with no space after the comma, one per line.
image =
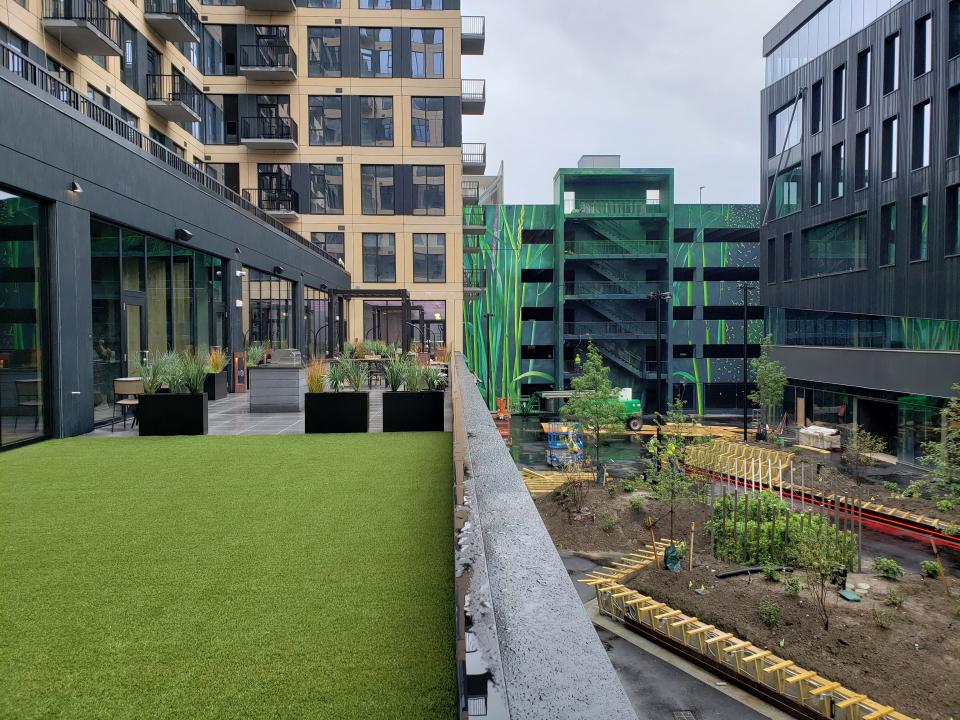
[502,255]
[700,371]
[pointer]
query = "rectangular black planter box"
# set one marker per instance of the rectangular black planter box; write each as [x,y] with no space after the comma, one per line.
[173,414]
[336,412]
[215,386]
[413,411]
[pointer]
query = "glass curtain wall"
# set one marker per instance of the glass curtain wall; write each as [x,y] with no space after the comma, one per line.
[269,303]
[150,296]
[21,326]
[315,321]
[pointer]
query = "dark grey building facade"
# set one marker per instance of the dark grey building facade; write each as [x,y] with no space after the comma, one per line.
[111,245]
[861,238]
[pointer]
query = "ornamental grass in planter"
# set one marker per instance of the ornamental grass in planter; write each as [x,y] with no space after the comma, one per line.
[419,407]
[173,402]
[337,411]
[217,383]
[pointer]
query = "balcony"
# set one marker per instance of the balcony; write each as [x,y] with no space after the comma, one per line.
[474,281]
[268,61]
[173,98]
[281,203]
[272,6]
[624,248]
[473,34]
[87,27]
[602,289]
[471,191]
[474,221]
[473,96]
[610,330]
[268,133]
[617,208]
[474,158]
[175,20]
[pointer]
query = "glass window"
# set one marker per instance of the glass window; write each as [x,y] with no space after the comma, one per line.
[816,179]
[786,128]
[954,29]
[838,171]
[221,2]
[839,246]
[330,242]
[269,303]
[816,107]
[862,160]
[427,121]
[428,190]
[213,55]
[771,260]
[953,121]
[953,220]
[324,56]
[22,340]
[919,221]
[888,234]
[923,46]
[891,63]
[377,189]
[787,191]
[889,161]
[379,257]
[921,135]
[429,257]
[788,256]
[128,61]
[426,4]
[864,78]
[326,189]
[214,120]
[840,93]
[326,120]
[376,4]
[376,52]
[324,4]
[315,322]
[426,53]
[376,121]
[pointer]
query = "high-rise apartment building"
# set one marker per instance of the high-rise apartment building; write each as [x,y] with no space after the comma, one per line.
[861,240]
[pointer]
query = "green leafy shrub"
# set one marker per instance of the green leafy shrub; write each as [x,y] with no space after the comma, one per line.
[792,586]
[894,598]
[890,569]
[609,522]
[355,373]
[613,488]
[416,378]
[891,486]
[945,505]
[882,618]
[316,377]
[637,503]
[628,486]
[951,530]
[771,573]
[913,491]
[170,367]
[151,376]
[769,613]
[930,568]
[335,375]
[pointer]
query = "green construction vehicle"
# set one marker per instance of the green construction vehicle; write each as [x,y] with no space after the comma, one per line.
[547,405]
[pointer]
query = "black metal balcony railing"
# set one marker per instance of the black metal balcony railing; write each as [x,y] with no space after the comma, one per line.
[474,216]
[274,200]
[268,55]
[181,8]
[471,190]
[475,154]
[473,91]
[268,128]
[473,26]
[174,88]
[638,329]
[618,207]
[474,278]
[30,72]
[94,12]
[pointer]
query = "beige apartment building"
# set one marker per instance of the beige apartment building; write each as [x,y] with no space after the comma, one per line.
[340,118]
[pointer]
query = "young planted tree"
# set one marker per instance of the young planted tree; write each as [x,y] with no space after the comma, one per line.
[820,561]
[771,382]
[943,457]
[668,450]
[594,404]
[859,454]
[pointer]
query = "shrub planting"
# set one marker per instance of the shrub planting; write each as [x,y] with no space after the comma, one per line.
[890,569]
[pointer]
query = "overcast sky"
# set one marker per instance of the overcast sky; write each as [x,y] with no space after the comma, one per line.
[663,83]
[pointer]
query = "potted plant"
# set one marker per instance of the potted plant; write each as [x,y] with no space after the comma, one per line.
[217,385]
[256,355]
[419,407]
[337,411]
[182,409]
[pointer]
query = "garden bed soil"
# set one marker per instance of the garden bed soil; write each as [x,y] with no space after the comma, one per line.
[913,665]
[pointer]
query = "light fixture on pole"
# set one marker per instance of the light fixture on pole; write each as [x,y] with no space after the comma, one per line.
[659,297]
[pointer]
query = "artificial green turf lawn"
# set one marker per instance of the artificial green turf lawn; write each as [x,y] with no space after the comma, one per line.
[228,577]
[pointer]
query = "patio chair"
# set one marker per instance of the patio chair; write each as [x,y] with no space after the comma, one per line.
[125,394]
[28,396]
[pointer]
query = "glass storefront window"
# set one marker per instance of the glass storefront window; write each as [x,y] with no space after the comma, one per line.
[22,395]
[269,303]
[107,344]
[315,321]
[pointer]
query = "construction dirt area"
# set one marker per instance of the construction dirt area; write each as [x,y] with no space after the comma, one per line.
[900,644]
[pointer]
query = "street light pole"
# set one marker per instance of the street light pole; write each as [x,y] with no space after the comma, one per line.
[659,298]
[486,317]
[745,289]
